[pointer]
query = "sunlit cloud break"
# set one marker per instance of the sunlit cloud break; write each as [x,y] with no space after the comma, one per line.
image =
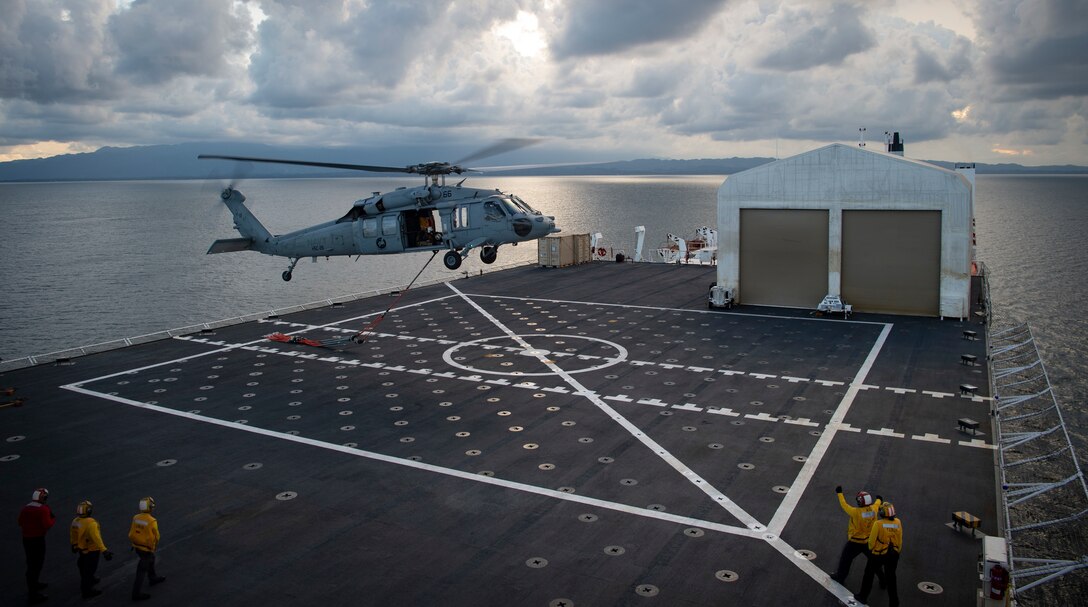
[1008,152]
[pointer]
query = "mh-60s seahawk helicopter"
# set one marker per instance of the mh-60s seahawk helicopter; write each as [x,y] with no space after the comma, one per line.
[431,217]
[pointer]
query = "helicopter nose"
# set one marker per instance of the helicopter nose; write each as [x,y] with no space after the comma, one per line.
[547,222]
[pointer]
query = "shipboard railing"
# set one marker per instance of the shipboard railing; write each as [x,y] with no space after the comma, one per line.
[1043,493]
[66,355]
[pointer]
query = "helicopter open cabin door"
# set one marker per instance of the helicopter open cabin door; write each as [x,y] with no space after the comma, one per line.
[423,228]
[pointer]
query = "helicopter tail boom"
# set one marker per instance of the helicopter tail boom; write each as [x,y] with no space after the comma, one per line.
[254,234]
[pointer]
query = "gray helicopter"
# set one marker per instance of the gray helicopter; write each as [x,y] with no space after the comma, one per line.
[431,217]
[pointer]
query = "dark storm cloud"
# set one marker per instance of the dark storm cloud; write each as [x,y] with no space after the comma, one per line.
[944,64]
[928,69]
[816,39]
[602,27]
[652,82]
[54,50]
[1037,49]
[26,121]
[158,40]
[1045,69]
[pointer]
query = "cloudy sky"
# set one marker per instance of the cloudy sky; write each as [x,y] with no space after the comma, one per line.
[976,80]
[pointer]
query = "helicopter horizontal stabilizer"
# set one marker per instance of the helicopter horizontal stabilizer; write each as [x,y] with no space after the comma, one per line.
[230,245]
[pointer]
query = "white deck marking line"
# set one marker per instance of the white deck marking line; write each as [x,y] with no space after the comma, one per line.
[691,407]
[238,346]
[701,483]
[244,345]
[730,372]
[470,476]
[935,394]
[821,577]
[808,470]
[901,390]
[930,437]
[978,442]
[694,311]
[885,432]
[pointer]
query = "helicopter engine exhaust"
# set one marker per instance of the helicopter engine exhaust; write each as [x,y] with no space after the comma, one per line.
[399,199]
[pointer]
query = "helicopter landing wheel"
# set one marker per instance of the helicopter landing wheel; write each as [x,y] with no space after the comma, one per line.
[286,276]
[452,260]
[489,254]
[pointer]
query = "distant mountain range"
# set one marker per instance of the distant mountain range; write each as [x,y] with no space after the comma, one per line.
[180,162]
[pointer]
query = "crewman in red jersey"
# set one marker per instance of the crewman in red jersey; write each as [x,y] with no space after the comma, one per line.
[144,535]
[35,519]
[86,539]
[857,533]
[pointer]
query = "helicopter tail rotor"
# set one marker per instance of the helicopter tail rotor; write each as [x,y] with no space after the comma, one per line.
[223,181]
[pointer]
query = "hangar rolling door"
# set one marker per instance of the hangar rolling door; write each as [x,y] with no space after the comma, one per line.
[783,257]
[891,261]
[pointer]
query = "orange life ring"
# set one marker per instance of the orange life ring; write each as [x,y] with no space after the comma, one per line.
[601,252]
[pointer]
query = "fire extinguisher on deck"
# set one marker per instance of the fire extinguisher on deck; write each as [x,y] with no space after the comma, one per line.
[999,581]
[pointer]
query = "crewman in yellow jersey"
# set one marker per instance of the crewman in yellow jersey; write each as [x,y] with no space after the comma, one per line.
[885,545]
[862,518]
[86,539]
[144,535]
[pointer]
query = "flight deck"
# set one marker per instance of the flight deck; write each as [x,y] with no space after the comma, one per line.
[585,436]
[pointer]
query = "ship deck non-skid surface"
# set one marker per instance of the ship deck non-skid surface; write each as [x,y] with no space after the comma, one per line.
[585,436]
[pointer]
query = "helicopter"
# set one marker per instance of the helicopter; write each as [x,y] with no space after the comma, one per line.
[430,217]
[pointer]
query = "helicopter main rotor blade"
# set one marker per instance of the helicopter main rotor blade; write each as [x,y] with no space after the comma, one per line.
[328,165]
[525,167]
[501,147]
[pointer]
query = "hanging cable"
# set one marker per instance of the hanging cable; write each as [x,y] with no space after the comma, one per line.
[361,336]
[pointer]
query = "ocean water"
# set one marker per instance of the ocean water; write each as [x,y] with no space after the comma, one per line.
[83,263]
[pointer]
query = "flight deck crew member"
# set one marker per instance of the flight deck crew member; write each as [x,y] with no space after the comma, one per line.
[144,535]
[885,544]
[861,522]
[86,539]
[35,519]
[426,229]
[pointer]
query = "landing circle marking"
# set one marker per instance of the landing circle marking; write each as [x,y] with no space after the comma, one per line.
[596,362]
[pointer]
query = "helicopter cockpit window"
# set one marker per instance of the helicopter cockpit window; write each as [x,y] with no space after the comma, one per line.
[370,227]
[510,207]
[492,211]
[389,225]
[524,206]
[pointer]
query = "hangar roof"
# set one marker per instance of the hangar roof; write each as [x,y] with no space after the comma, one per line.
[839,173]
